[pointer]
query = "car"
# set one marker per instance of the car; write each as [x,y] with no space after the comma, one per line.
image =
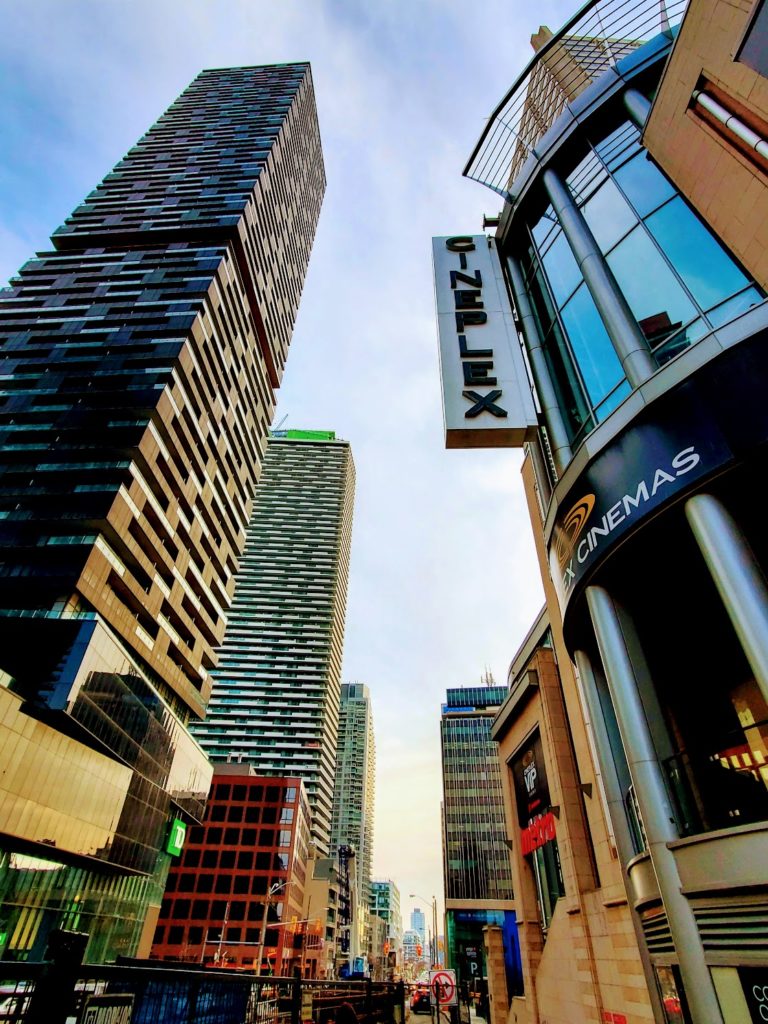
[420,1002]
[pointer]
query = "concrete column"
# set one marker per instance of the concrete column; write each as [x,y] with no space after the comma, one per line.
[623,330]
[558,434]
[655,805]
[637,106]
[738,578]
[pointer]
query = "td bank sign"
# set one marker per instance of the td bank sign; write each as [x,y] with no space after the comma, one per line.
[487,400]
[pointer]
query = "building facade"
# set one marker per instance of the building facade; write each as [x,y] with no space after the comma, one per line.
[632,241]
[419,924]
[276,692]
[579,950]
[140,358]
[355,788]
[477,867]
[236,896]
[385,903]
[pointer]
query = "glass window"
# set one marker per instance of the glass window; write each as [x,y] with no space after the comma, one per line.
[705,267]
[609,216]
[754,49]
[726,312]
[544,227]
[644,184]
[570,395]
[599,365]
[659,304]
[562,269]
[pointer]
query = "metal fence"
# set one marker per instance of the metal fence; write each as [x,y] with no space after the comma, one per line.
[594,39]
[51,993]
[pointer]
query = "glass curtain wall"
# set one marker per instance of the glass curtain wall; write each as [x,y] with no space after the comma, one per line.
[678,280]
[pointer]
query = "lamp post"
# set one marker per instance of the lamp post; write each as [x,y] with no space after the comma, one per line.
[433,901]
[274,888]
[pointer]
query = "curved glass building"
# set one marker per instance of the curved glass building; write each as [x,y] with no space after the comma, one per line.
[631,159]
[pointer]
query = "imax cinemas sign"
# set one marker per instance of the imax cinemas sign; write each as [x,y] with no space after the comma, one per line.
[660,457]
[487,401]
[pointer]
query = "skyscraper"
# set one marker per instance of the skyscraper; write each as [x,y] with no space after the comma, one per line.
[476,863]
[139,361]
[275,700]
[354,792]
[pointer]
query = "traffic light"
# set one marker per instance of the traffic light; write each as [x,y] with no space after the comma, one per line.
[419,951]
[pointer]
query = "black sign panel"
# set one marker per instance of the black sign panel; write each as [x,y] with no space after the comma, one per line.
[754,981]
[685,436]
[530,777]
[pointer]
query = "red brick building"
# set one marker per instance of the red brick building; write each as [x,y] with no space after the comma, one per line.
[249,854]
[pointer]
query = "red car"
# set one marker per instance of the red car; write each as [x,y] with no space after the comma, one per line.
[420,999]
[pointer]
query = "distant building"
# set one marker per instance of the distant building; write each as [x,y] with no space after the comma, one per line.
[385,903]
[254,841]
[275,698]
[477,865]
[355,788]
[419,924]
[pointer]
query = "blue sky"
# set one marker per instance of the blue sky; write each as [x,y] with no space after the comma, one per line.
[444,581]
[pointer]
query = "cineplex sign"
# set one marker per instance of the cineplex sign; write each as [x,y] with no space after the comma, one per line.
[487,401]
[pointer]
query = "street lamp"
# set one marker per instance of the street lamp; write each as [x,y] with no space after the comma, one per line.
[433,901]
[274,888]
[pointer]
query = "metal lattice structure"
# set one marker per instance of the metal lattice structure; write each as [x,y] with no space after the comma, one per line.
[591,42]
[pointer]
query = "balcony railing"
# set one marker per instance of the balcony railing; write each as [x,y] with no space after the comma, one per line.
[593,40]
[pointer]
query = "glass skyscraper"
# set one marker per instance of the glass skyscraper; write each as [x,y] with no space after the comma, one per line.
[139,357]
[275,700]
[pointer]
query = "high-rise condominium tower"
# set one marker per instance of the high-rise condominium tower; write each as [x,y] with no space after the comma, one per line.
[275,700]
[139,361]
[354,793]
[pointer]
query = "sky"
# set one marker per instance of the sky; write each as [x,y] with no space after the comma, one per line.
[444,583]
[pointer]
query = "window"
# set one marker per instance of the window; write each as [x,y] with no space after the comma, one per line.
[754,49]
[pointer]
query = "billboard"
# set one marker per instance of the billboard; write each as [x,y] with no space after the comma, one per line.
[487,398]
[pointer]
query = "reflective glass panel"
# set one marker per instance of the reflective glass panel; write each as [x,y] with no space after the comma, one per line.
[738,304]
[599,365]
[544,227]
[613,400]
[654,294]
[609,216]
[562,269]
[644,184]
[703,264]
[619,145]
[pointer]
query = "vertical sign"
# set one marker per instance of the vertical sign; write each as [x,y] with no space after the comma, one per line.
[487,399]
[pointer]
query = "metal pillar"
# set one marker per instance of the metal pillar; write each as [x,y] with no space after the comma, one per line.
[616,808]
[558,435]
[624,331]
[737,576]
[637,106]
[655,806]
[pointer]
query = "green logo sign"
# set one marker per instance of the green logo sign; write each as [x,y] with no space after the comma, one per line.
[176,836]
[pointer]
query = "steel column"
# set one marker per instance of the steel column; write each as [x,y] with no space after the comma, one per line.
[550,407]
[737,576]
[624,331]
[655,805]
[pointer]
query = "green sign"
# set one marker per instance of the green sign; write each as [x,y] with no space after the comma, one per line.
[176,836]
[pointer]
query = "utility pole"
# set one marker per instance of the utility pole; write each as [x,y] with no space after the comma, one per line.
[274,888]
